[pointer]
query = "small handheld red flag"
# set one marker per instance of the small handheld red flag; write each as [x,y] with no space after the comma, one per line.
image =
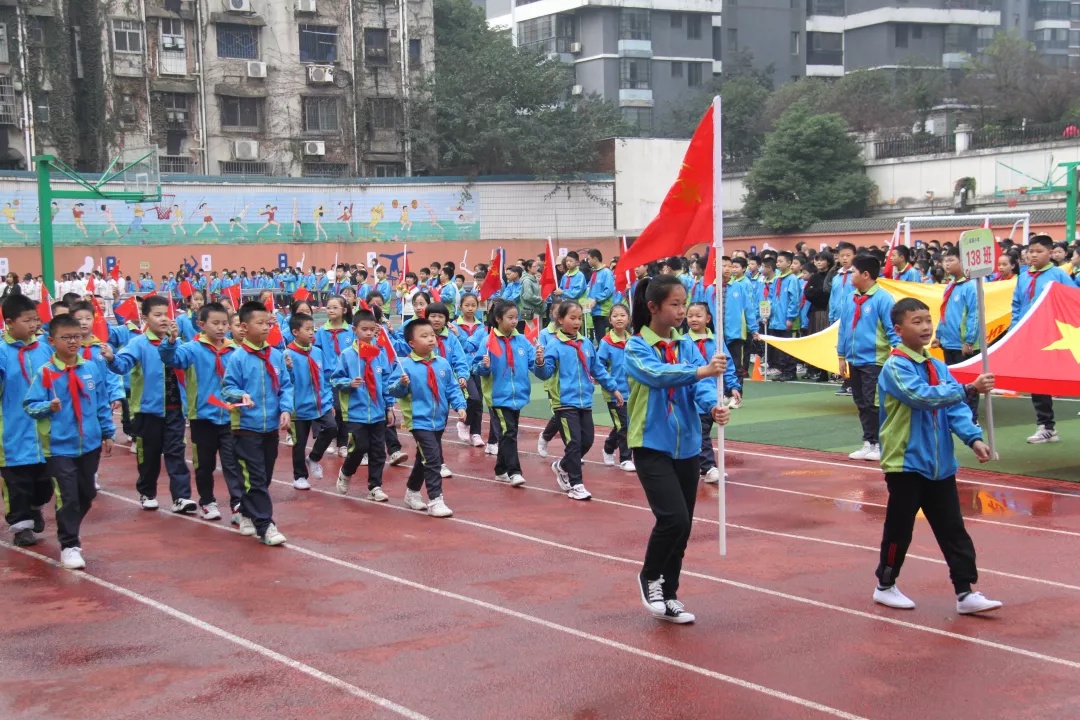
[493,345]
[548,281]
[383,341]
[115,272]
[172,309]
[100,327]
[233,293]
[532,330]
[493,282]
[186,289]
[44,307]
[301,294]
[90,285]
[269,303]
[128,311]
[368,352]
[218,402]
[274,337]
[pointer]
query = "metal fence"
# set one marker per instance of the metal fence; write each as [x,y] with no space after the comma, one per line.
[894,146]
[1028,134]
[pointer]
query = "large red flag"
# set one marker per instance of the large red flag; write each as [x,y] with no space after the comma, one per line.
[44,308]
[548,281]
[710,268]
[685,218]
[493,282]
[1041,355]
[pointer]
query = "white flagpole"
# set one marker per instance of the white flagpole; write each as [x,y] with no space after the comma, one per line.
[718,251]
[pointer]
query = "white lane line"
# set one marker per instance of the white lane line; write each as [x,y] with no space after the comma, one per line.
[226,635]
[491,607]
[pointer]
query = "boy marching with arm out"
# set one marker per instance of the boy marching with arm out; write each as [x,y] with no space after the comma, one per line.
[314,414]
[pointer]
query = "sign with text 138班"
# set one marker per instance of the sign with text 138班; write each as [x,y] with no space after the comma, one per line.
[977,252]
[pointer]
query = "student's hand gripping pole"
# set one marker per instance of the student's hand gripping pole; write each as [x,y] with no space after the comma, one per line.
[980,293]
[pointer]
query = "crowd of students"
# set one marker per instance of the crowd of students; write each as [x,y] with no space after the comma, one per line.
[236,374]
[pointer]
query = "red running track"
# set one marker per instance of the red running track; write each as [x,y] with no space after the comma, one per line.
[525,605]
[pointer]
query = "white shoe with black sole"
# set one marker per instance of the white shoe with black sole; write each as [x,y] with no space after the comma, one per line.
[148,503]
[184,506]
[674,612]
[578,492]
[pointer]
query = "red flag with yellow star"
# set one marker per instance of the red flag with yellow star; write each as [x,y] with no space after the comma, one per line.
[685,217]
[1041,355]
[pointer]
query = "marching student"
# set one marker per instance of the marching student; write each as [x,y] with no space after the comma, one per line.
[313,403]
[1030,284]
[470,333]
[257,380]
[667,386]
[958,324]
[612,353]
[786,292]
[69,400]
[425,386]
[571,362]
[740,316]
[187,322]
[572,284]
[447,292]
[840,293]
[699,319]
[361,379]
[503,362]
[448,347]
[600,292]
[551,429]
[902,267]
[922,407]
[203,361]
[298,307]
[158,403]
[26,484]
[332,339]
[866,337]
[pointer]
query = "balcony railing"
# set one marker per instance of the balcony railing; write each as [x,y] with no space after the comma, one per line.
[895,146]
[1025,135]
[248,168]
[326,170]
[175,164]
[825,57]
[834,8]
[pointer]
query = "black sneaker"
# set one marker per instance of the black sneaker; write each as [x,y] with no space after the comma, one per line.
[39,520]
[674,612]
[652,594]
[25,538]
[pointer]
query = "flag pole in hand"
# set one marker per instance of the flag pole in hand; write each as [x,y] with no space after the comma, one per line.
[718,252]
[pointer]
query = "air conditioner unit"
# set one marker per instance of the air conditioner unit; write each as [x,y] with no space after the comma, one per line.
[305,6]
[320,74]
[575,48]
[246,150]
[256,69]
[314,147]
[178,117]
[577,90]
[240,6]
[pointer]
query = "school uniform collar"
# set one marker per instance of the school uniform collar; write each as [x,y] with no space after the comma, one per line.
[611,334]
[418,358]
[498,333]
[873,289]
[650,337]
[305,348]
[150,335]
[563,337]
[17,343]
[957,281]
[575,271]
[253,346]
[1043,269]
[202,337]
[912,355]
[61,365]
[707,335]
[328,326]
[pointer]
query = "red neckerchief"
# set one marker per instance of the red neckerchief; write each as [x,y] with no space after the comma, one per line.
[576,344]
[931,371]
[1034,278]
[845,274]
[509,352]
[334,334]
[621,344]
[219,366]
[945,299]
[75,388]
[701,347]
[367,353]
[432,379]
[776,291]
[442,345]
[859,300]
[22,359]
[264,355]
[88,351]
[669,356]
[468,328]
[592,278]
[313,367]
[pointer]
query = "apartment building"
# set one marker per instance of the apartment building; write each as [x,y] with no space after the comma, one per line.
[316,88]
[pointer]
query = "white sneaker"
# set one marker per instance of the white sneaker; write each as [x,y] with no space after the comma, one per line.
[134,448]
[652,593]
[561,476]
[609,458]
[491,449]
[376,494]
[148,503]
[875,453]
[210,511]
[1042,435]
[289,442]
[364,460]
[343,452]
[628,466]
[301,484]
[892,597]
[247,526]
[314,468]
[397,458]
[184,506]
[273,536]
[71,558]
[437,508]
[674,612]
[413,501]
[502,478]
[735,404]
[445,472]
[235,518]
[578,492]
[96,485]
[343,482]
[463,432]
[541,446]
[477,441]
[862,452]
[976,602]
[516,480]
[772,372]
[712,476]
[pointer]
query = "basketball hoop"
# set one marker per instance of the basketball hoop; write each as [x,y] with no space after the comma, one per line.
[164,207]
[1012,201]
[1012,197]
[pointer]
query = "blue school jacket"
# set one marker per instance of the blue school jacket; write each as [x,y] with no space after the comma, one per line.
[447,346]
[202,376]
[783,294]
[20,363]
[246,374]
[572,382]
[961,322]
[504,386]
[740,309]
[573,285]
[363,404]
[870,342]
[612,354]
[385,289]
[1024,297]
[840,293]
[185,323]
[601,290]
[918,419]
[309,403]
[511,292]
[420,409]
[60,433]
[448,296]
[114,385]
[911,274]
[324,340]
[140,357]
[665,397]
[469,336]
[705,344]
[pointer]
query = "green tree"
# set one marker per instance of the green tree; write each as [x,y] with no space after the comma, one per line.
[492,108]
[810,170]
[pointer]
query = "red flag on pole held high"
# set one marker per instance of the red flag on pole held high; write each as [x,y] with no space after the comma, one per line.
[548,280]
[44,308]
[887,270]
[493,282]
[625,279]
[115,272]
[404,264]
[383,341]
[128,311]
[100,327]
[685,217]
[710,268]
[532,330]
[90,284]
[233,293]
[186,289]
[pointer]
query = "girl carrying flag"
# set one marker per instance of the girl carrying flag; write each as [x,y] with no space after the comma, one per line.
[332,339]
[699,319]
[470,334]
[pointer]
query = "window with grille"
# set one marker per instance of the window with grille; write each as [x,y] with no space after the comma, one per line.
[8,114]
[676,70]
[325,169]
[385,114]
[3,43]
[694,74]
[376,46]
[634,24]
[239,113]
[42,109]
[693,27]
[246,167]
[640,119]
[127,36]
[174,101]
[237,41]
[172,28]
[318,43]
[320,114]
[414,54]
[634,73]
[388,170]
